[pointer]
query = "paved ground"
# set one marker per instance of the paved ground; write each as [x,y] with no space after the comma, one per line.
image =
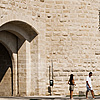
[47,98]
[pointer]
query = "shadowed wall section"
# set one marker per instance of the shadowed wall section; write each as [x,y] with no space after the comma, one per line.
[6,76]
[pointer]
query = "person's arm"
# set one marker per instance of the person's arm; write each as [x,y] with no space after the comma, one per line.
[68,81]
[73,82]
[88,84]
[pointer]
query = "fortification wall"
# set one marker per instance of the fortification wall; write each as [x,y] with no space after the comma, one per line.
[72,42]
[67,34]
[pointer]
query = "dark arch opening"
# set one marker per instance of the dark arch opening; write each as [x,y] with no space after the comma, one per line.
[5,68]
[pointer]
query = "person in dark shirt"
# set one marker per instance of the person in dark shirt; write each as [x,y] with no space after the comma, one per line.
[71,83]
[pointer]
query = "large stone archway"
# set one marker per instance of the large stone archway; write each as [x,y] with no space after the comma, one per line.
[17,36]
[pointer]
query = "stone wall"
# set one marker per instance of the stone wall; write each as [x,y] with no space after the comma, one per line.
[67,34]
[72,42]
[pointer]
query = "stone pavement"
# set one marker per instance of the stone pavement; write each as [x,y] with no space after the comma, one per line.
[47,98]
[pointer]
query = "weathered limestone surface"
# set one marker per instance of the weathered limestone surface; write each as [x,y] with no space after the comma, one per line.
[72,37]
[63,31]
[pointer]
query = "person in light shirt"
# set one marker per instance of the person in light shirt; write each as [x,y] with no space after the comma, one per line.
[89,85]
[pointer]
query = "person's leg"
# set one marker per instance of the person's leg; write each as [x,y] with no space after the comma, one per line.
[88,89]
[71,94]
[87,94]
[92,93]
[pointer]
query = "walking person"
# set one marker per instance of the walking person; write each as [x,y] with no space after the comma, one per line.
[71,88]
[89,85]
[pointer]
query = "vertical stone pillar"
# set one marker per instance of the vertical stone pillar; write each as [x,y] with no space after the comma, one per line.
[24,71]
[34,66]
[28,69]
[14,64]
[41,65]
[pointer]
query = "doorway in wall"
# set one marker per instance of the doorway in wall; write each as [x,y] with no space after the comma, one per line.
[6,72]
